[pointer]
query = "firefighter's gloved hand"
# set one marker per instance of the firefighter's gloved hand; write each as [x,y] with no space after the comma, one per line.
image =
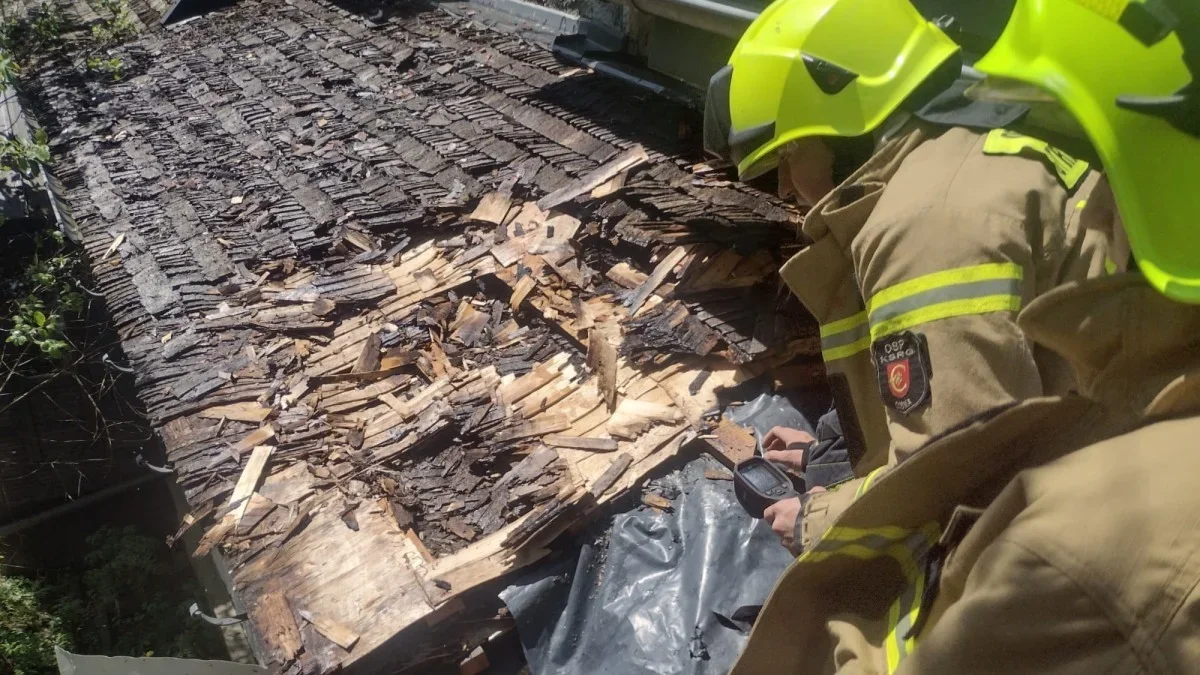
[784,518]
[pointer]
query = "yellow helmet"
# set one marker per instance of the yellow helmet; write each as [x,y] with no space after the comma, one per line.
[1125,71]
[822,68]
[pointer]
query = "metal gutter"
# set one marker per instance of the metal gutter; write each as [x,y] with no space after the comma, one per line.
[722,18]
[25,196]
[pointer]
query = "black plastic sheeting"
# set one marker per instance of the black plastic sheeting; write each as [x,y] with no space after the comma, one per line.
[643,596]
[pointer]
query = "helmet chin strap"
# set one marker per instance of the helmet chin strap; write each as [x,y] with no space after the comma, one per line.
[1150,22]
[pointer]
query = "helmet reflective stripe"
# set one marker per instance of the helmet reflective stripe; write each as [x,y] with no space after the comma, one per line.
[824,68]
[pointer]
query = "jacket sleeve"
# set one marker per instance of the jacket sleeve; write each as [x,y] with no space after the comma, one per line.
[1018,614]
[959,243]
[821,509]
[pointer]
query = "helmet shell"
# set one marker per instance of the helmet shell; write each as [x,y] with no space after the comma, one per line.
[825,68]
[1078,51]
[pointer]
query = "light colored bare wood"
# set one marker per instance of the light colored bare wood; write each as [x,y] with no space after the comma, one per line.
[248,480]
[623,274]
[241,412]
[524,285]
[527,219]
[492,208]
[656,501]
[358,396]
[394,403]
[581,443]
[623,162]
[214,535]
[273,617]
[419,400]
[546,397]
[258,507]
[509,252]
[734,442]
[419,545]
[256,437]
[612,185]
[695,401]
[476,662]
[559,229]
[535,379]
[426,279]
[602,359]
[369,580]
[542,425]
[336,632]
[632,417]
[656,278]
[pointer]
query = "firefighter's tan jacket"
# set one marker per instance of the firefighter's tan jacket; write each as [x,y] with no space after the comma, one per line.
[942,236]
[1061,534]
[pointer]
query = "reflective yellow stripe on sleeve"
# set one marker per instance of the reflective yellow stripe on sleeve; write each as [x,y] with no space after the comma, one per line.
[977,289]
[907,547]
[845,337]
[902,615]
[866,484]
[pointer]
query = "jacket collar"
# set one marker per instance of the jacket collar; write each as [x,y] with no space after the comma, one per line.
[1132,349]
[843,212]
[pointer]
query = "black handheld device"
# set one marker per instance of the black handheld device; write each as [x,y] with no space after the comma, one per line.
[758,483]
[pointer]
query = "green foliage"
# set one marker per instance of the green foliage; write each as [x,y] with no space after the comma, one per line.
[125,599]
[28,630]
[40,29]
[118,26]
[130,591]
[18,154]
[9,70]
[47,22]
[44,295]
[38,284]
[113,66]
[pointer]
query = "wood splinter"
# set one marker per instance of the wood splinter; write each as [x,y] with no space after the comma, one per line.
[581,443]
[336,632]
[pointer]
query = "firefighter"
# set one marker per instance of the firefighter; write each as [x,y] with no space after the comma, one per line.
[1063,533]
[931,224]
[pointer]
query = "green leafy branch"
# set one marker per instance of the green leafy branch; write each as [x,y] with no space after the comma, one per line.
[28,630]
[51,293]
[9,70]
[40,29]
[113,66]
[118,26]
[19,154]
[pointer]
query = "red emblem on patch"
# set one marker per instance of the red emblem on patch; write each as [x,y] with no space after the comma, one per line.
[898,378]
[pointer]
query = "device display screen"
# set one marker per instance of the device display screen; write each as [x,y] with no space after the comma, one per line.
[760,477]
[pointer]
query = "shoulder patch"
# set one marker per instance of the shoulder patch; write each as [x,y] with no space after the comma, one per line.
[1070,171]
[902,368]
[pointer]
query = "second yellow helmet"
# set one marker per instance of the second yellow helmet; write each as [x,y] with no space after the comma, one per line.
[822,68]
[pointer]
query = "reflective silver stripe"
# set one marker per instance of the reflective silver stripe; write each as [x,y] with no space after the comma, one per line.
[875,542]
[846,337]
[934,296]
